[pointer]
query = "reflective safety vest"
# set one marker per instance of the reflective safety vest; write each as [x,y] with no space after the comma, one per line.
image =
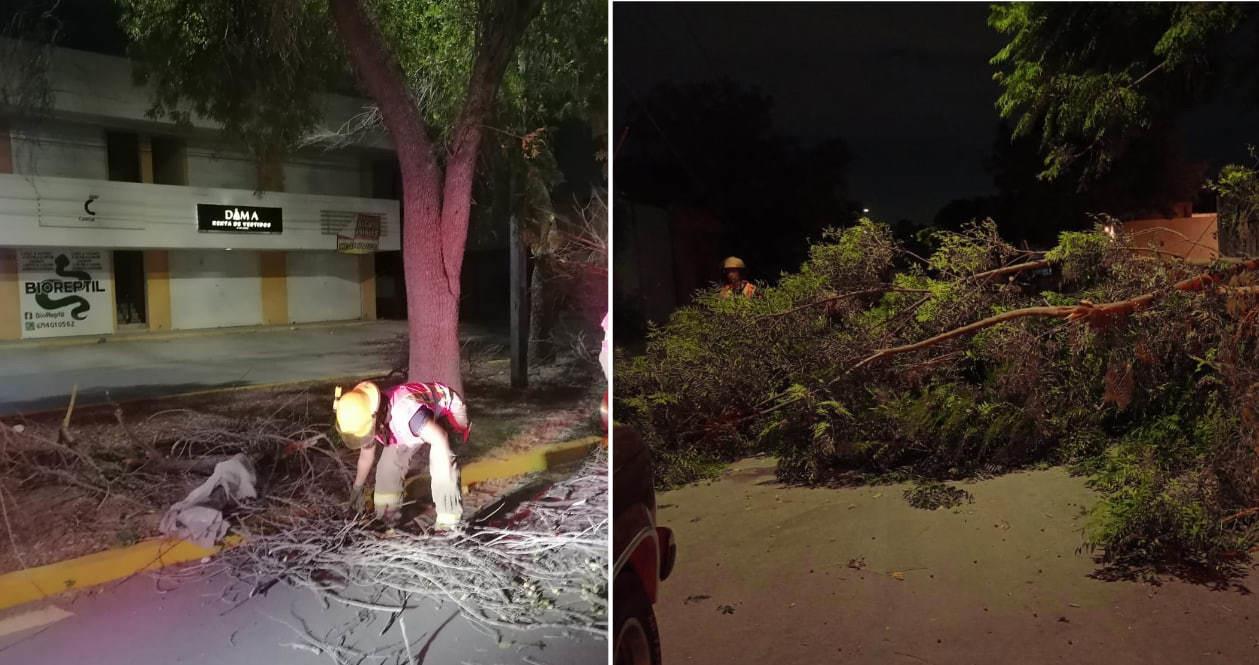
[442,402]
[747,290]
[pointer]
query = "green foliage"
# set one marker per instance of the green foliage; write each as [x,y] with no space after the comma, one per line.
[1090,77]
[1236,180]
[255,67]
[1160,503]
[964,253]
[1081,255]
[1148,406]
[259,68]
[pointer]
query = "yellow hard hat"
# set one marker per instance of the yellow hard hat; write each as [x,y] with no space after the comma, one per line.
[733,262]
[356,413]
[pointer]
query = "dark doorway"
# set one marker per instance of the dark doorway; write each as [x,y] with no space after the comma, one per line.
[129,287]
[391,284]
[122,150]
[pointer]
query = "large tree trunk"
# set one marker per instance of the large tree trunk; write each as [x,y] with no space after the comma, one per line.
[436,204]
[432,300]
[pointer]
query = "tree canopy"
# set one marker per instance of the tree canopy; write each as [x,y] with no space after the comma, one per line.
[1091,79]
[259,67]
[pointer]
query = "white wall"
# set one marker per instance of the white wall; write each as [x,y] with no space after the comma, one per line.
[215,288]
[219,168]
[328,174]
[90,85]
[323,286]
[331,173]
[49,212]
[61,149]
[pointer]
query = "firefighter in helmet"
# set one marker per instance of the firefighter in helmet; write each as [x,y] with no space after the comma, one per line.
[734,282]
[400,422]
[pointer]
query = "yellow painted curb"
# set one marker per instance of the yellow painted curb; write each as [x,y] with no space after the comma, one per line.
[530,461]
[23,586]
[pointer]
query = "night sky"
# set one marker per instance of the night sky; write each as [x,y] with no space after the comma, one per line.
[907,86]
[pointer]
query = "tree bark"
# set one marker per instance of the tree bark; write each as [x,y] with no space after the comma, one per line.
[436,202]
[519,305]
[542,309]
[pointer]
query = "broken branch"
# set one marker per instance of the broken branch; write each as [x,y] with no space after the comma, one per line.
[1087,312]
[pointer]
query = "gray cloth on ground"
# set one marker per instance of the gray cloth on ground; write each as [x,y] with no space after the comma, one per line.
[199,517]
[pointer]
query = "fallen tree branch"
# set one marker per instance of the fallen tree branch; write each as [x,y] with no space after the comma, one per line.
[1087,312]
[1240,514]
[1062,310]
[1010,270]
[63,434]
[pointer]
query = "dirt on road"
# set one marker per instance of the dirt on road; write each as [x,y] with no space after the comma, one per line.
[768,573]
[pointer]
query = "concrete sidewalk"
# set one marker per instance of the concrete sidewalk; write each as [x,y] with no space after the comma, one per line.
[132,623]
[38,378]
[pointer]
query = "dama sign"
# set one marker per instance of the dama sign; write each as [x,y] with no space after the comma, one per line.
[239,219]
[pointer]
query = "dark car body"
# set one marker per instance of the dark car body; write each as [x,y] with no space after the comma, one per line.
[643,553]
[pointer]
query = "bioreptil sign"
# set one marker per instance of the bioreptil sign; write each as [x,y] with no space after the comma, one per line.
[65,292]
[239,219]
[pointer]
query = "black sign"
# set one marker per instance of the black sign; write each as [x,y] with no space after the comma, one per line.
[239,219]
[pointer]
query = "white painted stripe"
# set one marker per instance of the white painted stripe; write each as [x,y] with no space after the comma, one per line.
[33,619]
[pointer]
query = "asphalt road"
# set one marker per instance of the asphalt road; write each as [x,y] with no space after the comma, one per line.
[40,377]
[137,623]
[768,573]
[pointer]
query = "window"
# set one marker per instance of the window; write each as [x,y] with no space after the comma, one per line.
[122,149]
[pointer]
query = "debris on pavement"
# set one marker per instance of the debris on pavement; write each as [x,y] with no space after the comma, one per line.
[543,565]
[933,496]
[199,517]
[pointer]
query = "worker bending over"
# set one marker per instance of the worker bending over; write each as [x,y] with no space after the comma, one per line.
[409,416]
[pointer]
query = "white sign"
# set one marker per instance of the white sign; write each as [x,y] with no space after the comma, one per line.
[365,237]
[65,292]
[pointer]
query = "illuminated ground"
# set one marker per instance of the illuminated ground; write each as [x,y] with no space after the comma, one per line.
[133,623]
[771,574]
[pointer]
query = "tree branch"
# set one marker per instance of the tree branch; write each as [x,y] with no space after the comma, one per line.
[1010,270]
[502,24]
[382,77]
[1086,312]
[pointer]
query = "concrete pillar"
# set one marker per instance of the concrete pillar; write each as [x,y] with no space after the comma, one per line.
[10,306]
[270,174]
[275,293]
[157,289]
[6,149]
[146,158]
[367,284]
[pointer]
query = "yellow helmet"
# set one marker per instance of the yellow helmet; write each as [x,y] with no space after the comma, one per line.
[356,413]
[733,262]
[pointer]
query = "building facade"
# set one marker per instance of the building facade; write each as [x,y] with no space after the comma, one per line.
[114,222]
